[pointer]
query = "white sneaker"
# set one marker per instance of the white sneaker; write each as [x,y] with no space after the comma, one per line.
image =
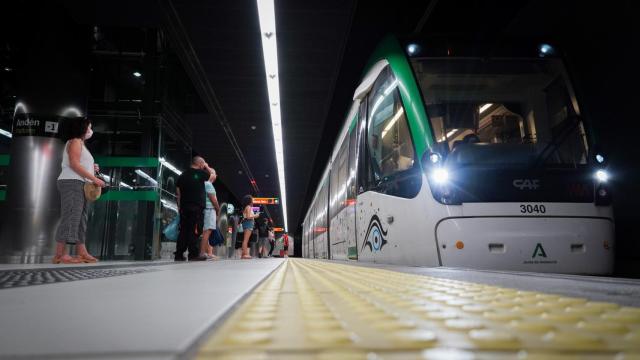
[207,257]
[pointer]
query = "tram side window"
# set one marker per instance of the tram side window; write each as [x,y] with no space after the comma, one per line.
[338,185]
[351,177]
[388,137]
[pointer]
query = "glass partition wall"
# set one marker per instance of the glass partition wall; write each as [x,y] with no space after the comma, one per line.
[137,96]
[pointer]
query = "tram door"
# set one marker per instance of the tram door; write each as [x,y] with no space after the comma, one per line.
[389,177]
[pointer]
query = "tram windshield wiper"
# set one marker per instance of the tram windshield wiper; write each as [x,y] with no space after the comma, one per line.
[570,124]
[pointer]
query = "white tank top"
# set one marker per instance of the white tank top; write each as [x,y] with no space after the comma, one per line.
[86,160]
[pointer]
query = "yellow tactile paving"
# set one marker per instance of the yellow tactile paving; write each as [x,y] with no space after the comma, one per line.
[320,310]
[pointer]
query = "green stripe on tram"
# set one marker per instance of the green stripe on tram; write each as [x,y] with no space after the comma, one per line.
[352,126]
[3,195]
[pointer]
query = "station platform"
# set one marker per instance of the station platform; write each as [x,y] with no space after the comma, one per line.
[297,308]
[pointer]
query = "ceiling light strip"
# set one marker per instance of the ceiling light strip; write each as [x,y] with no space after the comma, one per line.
[267,15]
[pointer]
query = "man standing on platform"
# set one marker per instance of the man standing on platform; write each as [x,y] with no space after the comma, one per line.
[191,203]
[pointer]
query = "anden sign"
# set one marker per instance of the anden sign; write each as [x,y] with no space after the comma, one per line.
[36,126]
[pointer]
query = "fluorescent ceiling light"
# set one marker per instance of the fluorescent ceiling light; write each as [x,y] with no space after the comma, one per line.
[71,110]
[20,106]
[484,107]
[169,166]
[451,133]
[169,205]
[267,16]
[6,133]
[144,175]
[392,122]
[125,185]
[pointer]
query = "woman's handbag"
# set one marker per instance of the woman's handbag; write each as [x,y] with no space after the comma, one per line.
[92,191]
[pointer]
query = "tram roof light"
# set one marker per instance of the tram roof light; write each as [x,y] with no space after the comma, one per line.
[137,74]
[413,49]
[602,176]
[441,176]
[267,17]
[6,133]
[545,49]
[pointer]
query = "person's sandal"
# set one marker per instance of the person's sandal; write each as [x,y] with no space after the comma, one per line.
[65,259]
[87,259]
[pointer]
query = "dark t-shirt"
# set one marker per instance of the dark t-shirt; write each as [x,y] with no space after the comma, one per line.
[191,184]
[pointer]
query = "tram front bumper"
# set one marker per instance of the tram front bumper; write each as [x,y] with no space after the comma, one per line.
[537,244]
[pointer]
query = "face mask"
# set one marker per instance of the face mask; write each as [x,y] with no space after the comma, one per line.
[88,134]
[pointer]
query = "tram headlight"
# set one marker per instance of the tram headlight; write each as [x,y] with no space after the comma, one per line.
[599,158]
[435,158]
[602,176]
[440,176]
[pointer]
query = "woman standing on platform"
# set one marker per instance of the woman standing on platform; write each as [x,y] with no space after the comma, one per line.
[211,213]
[77,168]
[248,223]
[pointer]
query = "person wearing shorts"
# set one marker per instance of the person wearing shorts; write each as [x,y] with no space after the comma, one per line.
[248,221]
[210,214]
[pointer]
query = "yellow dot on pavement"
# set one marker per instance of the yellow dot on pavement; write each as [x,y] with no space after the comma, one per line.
[492,339]
[531,327]
[603,327]
[255,325]
[330,337]
[463,324]
[573,341]
[416,337]
[249,337]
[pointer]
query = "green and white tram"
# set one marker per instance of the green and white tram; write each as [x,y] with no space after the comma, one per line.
[462,155]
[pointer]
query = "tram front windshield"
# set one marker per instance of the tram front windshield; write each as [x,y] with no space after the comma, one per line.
[503,112]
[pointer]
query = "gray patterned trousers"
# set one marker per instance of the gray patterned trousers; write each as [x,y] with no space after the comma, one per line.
[73,221]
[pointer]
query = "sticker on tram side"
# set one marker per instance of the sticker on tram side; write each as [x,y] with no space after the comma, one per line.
[375,235]
[538,252]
